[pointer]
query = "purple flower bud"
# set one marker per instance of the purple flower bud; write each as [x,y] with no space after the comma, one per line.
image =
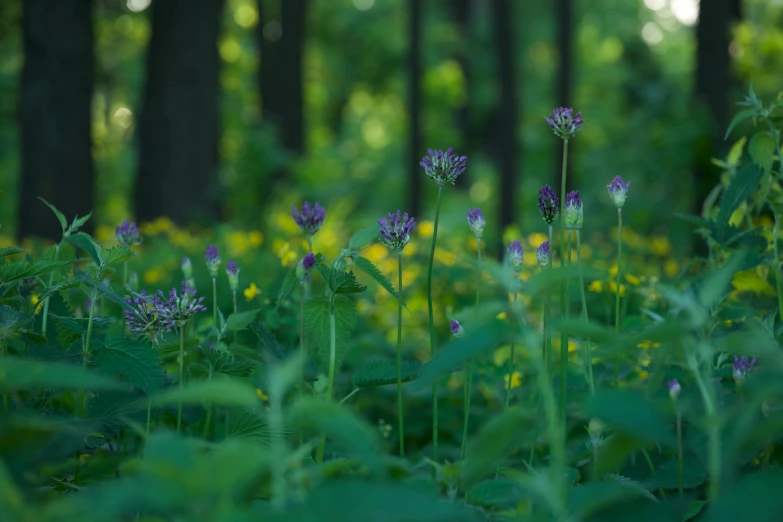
[515,256]
[179,308]
[187,268]
[573,216]
[548,204]
[542,254]
[618,191]
[564,123]
[476,222]
[212,257]
[232,271]
[310,218]
[456,328]
[128,234]
[443,167]
[305,266]
[742,367]
[674,388]
[144,317]
[396,230]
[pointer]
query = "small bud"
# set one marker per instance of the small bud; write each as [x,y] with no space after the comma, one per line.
[573,215]
[548,204]
[133,282]
[564,123]
[476,222]
[187,268]
[443,167]
[310,218]
[742,367]
[127,234]
[212,257]
[516,256]
[232,271]
[542,254]
[396,230]
[304,267]
[618,191]
[456,328]
[674,389]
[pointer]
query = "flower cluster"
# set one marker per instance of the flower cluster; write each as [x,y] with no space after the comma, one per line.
[548,204]
[573,215]
[310,218]
[476,222]
[396,230]
[305,266]
[542,254]
[618,191]
[742,367]
[564,123]
[180,307]
[232,272]
[443,167]
[128,234]
[144,316]
[515,256]
[212,257]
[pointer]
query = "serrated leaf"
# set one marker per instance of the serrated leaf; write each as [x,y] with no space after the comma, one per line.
[220,361]
[630,485]
[717,282]
[87,243]
[23,269]
[60,215]
[587,499]
[110,407]
[222,391]
[317,323]
[11,318]
[762,150]
[383,371]
[629,413]
[78,222]
[738,118]
[239,320]
[346,283]
[744,183]
[666,475]
[248,425]
[735,153]
[364,237]
[370,269]
[114,255]
[289,282]
[136,361]
[69,283]
[20,375]
[9,251]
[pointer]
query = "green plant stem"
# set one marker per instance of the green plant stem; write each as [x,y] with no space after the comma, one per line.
[548,297]
[302,353]
[88,337]
[679,452]
[584,308]
[432,329]
[713,436]
[125,274]
[234,295]
[181,371]
[511,356]
[45,317]
[617,292]
[563,336]
[354,392]
[471,365]
[332,363]
[214,304]
[777,268]
[307,282]
[400,418]
[149,421]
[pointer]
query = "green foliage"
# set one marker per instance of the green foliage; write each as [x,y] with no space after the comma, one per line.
[630,414]
[239,320]
[364,237]
[223,391]
[22,375]
[380,372]
[317,312]
[136,361]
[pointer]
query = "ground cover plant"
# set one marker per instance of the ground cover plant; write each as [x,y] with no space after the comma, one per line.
[552,385]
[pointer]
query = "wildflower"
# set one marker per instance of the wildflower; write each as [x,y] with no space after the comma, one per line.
[542,254]
[251,292]
[674,389]
[212,257]
[516,380]
[742,367]
[476,222]
[305,265]
[443,167]
[618,191]
[456,328]
[310,218]
[128,234]
[573,215]
[515,256]
[180,307]
[144,316]
[133,282]
[396,230]
[548,204]
[564,123]
[232,272]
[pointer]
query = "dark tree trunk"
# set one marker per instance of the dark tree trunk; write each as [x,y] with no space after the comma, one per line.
[462,17]
[178,124]
[291,71]
[269,43]
[414,107]
[55,112]
[565,13]
[507,128]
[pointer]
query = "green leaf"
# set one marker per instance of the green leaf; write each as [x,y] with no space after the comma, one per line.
[317,323]
[630,485]
[248,425]
[735,153]
[628,412]
[11,318]
[60,215]
[553,277]
[9,251]
[222,391]
[666,475]
[114,255]
[20,375]
[499,493]
[289,282]
[346,283]
[762,150]
[364,237]
[68,283]
[587,499]
[370,269]
[754,498]
[136,361]
[738,118]
[744,183]
[87,243]
[383,371]
[112,406]
[23,269]
[717,282]
[78,222]
[239,320]
[586,330]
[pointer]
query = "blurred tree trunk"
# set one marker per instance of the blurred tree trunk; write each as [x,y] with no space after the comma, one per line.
[507,128]
[565,31]
[55,112]
[179,118]
[462,16]
[414,108]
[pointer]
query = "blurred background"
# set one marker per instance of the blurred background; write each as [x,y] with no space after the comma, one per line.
[233,110]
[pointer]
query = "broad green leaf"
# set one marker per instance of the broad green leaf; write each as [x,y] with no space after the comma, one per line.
[9,251]
[694,508]
[370,269]
[239,320]
[60,215]
[738,118]
[717,282]
[23,269]
[755,498]
[112,406]
[11,318]
[137,361]
[87,243]
[65,285]
[666,475]
[628,412]
[762,150]
[346,283]
[382,371]
[114,255]
[631,485]
[744,183]
[585,500]
[317,323]
[496,493]
[289,282]
[12,502]
[20,375]
[248,425]
[221,361]
[223,391]
[71,328]
[364,237]
[585,329]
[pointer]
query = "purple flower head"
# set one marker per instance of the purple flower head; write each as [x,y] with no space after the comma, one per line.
[396,230]
[456,328]
[674,388]
[128,234]
[180,307]
[542,254]
[144,317]
[305,266]
[742,367]
[515,256]
[476,222]
[618,191]
[212,257]
[564,123]
[232,272]
[443,167]
[310,218]
[573,215]
[548,204]
[187,267]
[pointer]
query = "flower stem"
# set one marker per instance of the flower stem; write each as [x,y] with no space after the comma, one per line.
[330,383]
[399,357]
[511,357]
[302,382]
[214,304]
[548,297]
[679,452]
[181,371]
[617,294]
[234,292]
[149,421]
[125,274]
[584,307]
[563,337]
[432,329]
[86,352]
[45,316]
[470,367]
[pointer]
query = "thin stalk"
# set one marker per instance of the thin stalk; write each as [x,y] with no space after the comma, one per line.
[86,352]
[470,367]
[234,292]
[713,437]
[617,292]
[209,409]
[125,274]
[181,371]
[777,267]
[149,421]
[354,392]
[432,329]
[46,301]
[563,336]
[511,357]
[302,353]
[307,281]
[548,298]
[330,383]
[679,452]
[584,307]
[400,419]
[214,304]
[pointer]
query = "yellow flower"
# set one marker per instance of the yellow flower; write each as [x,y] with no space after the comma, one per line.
[572,346]
[671,268]
[646,345]
[535,239]
[501,315]
[237,243]
[261,395]
[153,275]
[425,228]
[251,292]
[613,288]
[660,246]
[516,380]
[596,286]
[375,252]
[632,279]
[34,299]
[255,238]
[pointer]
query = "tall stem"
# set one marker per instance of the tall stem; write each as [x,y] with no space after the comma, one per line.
[330,383]
[86,352]
[302,381]
[181,370]
[563,337]
[511,357]
[617,294]
[400,419]
[679,451]
[584,307]
[149,421]
[307,280]
[125,274]
[214,304]
[45,317]
[470,367]
[548,297]
[432,329]
[234,295]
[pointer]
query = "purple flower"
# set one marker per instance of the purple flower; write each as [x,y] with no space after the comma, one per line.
[212,257]
[618,191]
[548,204]
[128,234]
[456,328]
[443,167]
[542,254]
[396,230]
[573,216]
[674,388]
[515,256]
[304,267]
[742,367]
[180,307]
[476,222]
[564,123]
[145,318]
[310,218]
[232,272]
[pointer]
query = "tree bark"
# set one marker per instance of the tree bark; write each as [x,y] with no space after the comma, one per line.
[414,108]
[178,123]
[55,112]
